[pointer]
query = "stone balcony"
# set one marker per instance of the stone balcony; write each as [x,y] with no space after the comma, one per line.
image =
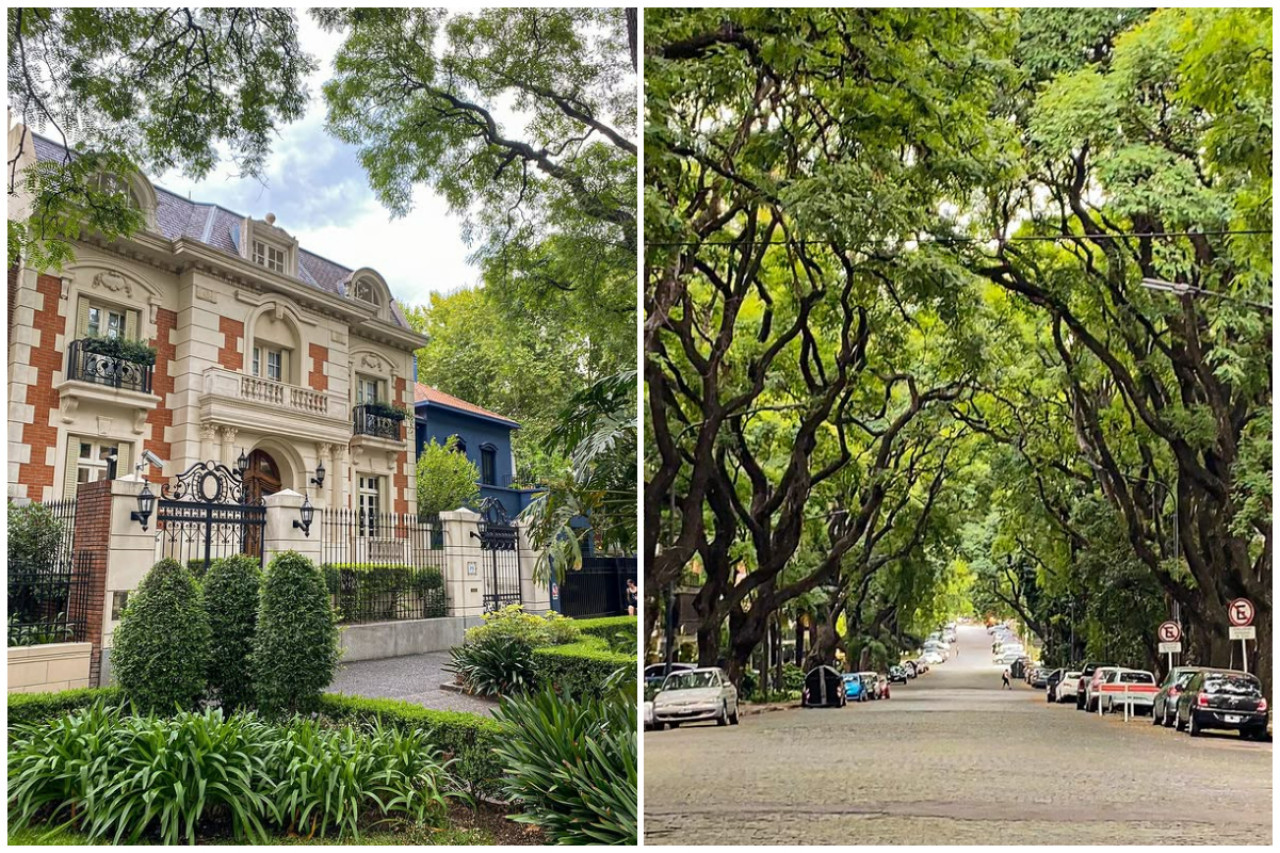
[251,402]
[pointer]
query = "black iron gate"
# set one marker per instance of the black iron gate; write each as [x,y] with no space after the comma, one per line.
[207,515]
[500,543]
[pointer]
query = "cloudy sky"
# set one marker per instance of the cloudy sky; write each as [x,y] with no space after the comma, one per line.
[319,193]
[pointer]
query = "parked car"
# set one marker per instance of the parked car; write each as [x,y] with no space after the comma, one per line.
[898,675]
[691,695]
[932,658]
[649,692]
[1165,706]
[910,669]
[655,673]
[1135,686]
[872,681]
[1091,686]
[854,690]
[1086,674]
[882,682]
[1039,677]
[1066,689]
[1223,699]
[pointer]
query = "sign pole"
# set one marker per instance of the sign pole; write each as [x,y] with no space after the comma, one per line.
[1244,655]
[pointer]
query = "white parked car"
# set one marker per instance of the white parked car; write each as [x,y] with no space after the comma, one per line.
[705,693]
[933,658]
[1135,686]
[648,714]
[1066,689]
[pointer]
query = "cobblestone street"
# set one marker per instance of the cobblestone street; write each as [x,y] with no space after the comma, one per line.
[953,759]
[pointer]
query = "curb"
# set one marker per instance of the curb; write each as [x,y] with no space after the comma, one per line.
[750,710]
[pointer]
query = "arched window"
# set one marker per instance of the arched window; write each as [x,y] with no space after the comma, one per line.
[488,465]
[367,291]
[459,444]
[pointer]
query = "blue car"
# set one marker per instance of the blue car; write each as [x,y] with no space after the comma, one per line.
[853,687]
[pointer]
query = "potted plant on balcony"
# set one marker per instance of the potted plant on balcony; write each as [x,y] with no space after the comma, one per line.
[135,352]
[386,410]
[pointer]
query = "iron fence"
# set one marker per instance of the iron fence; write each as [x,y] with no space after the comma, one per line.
[599,588]
[49,593]
[367,421]
[383,567]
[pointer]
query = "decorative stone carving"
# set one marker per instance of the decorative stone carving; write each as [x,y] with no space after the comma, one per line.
[207,294]
[66,286]
[229,434]
[70,405]
[140,421]
[113,282]
[104,425]
[371,361]
[323,449]
[208,431]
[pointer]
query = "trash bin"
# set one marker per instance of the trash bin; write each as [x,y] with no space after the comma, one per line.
[1018,669]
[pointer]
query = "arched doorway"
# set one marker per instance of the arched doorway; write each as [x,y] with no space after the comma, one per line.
[262,477]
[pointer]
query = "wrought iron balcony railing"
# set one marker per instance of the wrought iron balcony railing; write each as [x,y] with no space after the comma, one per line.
[367,422]
[109,370]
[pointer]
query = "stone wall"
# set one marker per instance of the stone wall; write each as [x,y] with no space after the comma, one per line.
[50,667]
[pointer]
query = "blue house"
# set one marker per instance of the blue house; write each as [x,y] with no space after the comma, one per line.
[483,435]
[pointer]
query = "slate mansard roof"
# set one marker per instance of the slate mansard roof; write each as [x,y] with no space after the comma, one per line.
[218,227]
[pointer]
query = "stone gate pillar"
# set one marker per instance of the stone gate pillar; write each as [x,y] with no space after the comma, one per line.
[464,564]
[280,534]
[535,595]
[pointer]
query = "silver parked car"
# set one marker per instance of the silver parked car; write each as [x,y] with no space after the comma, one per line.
[693,695]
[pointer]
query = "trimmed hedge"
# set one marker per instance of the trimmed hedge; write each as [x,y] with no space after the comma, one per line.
[467,737]
[295,651]
[618,631]
[380,592]
[27,708]
[580,669]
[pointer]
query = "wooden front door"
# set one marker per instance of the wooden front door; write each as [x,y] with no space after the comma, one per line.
[261,478]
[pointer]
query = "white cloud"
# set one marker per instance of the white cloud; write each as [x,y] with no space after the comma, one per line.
[320,194]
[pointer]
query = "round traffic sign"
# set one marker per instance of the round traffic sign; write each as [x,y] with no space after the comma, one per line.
[1240,612]
[1169,632]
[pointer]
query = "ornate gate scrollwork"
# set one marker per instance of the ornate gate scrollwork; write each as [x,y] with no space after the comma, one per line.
[500,542]
[206,514]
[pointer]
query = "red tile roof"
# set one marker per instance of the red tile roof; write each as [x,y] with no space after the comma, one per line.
[425,393]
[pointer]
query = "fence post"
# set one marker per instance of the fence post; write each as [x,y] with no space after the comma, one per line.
[283,509]
[464,563]
[536,596]
[112,546]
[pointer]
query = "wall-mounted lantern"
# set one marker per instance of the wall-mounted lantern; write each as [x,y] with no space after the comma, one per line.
[242,464]
[146,503]
[308,513]
[318,479]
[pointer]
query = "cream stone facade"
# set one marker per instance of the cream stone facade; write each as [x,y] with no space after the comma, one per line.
[262,349]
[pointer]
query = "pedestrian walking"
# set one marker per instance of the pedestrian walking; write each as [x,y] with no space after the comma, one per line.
[1004,676]
[631,596]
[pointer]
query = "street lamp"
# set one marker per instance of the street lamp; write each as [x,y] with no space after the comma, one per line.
[1179,288]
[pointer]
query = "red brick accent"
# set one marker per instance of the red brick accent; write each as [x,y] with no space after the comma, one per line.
[230,356]
[319,356]
[46,359]
[401,477]
[89,553]
[162,385]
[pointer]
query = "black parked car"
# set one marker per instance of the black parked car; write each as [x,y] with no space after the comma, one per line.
[1223,699]
[1165,706]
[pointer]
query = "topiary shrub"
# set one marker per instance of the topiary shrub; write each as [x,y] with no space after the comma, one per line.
[295,654]
[579,669]
[160,654]
[231,590]
[512,621]
[618,631]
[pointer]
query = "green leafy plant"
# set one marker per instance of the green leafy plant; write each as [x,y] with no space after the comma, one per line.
[447,479]
[330,779]
[572,764]
[533,630]
[29,708]
[579,669]
[365,592]
[137,352]
[383,409]
[161,646]
[295,651]
[620,632]
[494,666]
[35,535]
[117,777]
[231,591]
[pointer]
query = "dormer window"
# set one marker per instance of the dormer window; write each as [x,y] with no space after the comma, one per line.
[367,292]
[267,255]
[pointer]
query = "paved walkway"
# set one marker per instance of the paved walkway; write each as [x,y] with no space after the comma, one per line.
[414,678]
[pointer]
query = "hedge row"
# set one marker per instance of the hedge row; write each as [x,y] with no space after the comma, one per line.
[41,707]
[578,668]
[618,631]
[467,737]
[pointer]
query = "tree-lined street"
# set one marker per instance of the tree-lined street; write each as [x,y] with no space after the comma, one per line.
[953,759]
